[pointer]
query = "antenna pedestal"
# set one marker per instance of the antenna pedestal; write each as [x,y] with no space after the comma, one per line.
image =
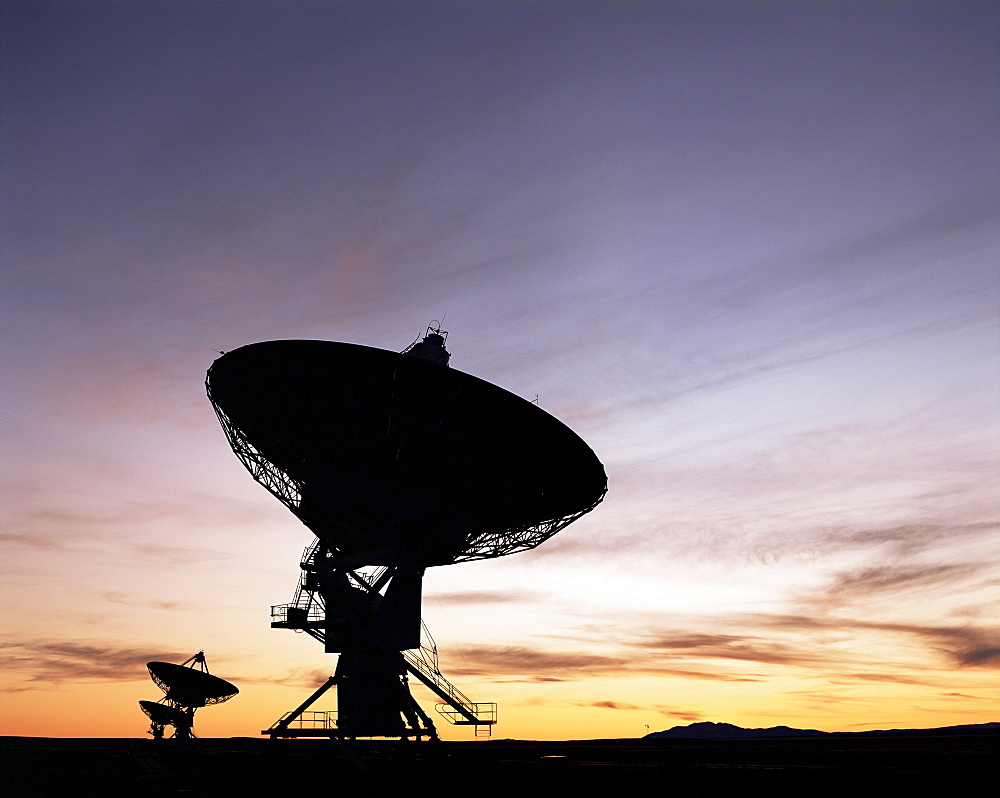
[374,699]
[372,620]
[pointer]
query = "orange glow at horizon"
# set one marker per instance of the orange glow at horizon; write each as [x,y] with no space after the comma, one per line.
[544,711]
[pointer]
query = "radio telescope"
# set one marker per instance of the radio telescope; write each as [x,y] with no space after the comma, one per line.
[186,687]
[160,715]
[396,463]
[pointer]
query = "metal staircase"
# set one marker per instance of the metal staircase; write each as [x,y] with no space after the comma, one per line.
[458,708]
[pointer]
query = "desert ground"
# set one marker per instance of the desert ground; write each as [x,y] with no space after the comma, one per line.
[885,766]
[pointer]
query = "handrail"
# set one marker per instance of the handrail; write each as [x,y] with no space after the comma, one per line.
[307,719]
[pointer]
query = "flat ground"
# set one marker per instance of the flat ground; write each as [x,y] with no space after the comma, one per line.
[210,768]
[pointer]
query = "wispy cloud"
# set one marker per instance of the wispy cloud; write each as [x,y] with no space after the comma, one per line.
[691,717]
[54,663]
[131,601]
[717,646]
[535,664]
[872,723]
[539,665]
[776,539]
[304,677]
[647,667]
[30,541]
[610,705]
[815,643]
[890,678]
[179,555]
[965,646]
[862,583]
[904,540]
[489,597]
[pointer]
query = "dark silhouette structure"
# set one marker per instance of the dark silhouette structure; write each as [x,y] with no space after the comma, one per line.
[186,687]
[396,463]
[160,716]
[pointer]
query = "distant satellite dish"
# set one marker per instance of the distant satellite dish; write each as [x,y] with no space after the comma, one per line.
[161,714]
[186,687]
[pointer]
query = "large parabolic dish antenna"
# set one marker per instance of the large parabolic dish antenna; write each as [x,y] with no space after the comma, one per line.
[396,463]
[392,458]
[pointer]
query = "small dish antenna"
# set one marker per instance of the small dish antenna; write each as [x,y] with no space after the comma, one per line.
[186,687]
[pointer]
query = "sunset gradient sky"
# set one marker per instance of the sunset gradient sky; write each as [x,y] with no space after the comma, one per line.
[746,250]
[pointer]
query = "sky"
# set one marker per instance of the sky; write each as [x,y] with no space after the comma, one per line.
[747,251]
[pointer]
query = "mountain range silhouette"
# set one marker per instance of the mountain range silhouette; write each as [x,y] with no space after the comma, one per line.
[727,731]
